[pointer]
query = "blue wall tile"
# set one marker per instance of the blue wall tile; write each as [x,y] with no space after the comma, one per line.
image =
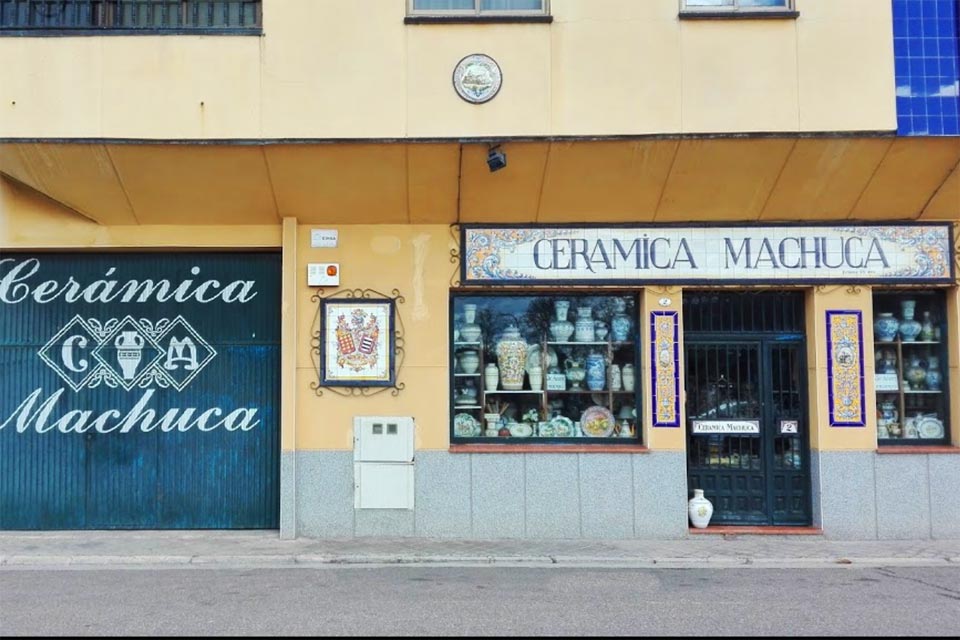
[927,64]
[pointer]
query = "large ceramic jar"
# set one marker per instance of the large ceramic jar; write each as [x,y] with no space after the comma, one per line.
[596,372]
[885,327]
[926,328]
[469,360]
[700,510]
[584,325]
[512,358]
[620,323]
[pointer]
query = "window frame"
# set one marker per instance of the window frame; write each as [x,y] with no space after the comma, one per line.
[736,9]
[476,12]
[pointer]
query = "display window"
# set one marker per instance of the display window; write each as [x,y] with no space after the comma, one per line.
[544,368]
[911,364]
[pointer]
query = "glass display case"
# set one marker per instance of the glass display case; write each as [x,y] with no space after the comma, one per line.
[545,367]
[911,365]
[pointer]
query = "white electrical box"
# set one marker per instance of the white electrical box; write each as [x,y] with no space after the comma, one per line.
[383,469]
[381,439]
[383,485]
[323,274]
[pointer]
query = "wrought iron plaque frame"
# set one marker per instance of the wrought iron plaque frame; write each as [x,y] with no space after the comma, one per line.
[395,343]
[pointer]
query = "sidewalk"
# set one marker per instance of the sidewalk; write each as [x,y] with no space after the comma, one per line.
[104,549]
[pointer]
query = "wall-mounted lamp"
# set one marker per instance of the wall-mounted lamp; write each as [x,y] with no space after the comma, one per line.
[496,159]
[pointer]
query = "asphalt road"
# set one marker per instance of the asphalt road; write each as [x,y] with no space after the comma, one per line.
[480,601]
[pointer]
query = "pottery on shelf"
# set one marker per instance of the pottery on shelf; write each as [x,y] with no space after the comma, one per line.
[934,378]
[512,358]
[885,327]
[535,375]
[600,330]
[700,510]
[909,327]
[915,374]
[560,328]
[470,330]
[575,373]
[627,374]
[596,372]
[469,360]
[614,377]
[926,328]
[491,377]
[584,325]
[620,327]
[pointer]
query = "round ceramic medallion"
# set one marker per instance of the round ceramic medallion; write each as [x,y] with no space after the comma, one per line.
[477,78]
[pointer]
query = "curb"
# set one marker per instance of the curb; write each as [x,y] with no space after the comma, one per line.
[541,561]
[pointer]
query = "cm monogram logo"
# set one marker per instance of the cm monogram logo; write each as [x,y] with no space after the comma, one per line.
[127,353]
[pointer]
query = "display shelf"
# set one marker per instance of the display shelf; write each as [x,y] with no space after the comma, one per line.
[912,342]
[514,391]
[919,391]
[467,406]
[466,375]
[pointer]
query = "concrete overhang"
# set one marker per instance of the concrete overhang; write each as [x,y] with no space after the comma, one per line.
[656,179]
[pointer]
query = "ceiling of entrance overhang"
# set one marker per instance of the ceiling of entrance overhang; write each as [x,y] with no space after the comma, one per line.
[648,180]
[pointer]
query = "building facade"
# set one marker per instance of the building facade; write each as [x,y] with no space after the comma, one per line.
[478,268]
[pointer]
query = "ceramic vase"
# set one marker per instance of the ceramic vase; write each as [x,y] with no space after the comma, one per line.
[885,327]
[596,372]
[934,378]
[491,377]
[512,358]
[915,374]
[469,361]
[584,326]
[620,327]
[615,377]
[909,327]
[575,373]
[560,328]
[700,510]
[600,330]
[628,377]
[536,379]
[926,328]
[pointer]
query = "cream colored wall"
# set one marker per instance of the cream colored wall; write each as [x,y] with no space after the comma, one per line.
[334,69]
[415,259]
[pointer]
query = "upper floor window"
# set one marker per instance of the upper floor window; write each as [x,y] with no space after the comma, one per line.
[736,5]
[478,7]
[129,16]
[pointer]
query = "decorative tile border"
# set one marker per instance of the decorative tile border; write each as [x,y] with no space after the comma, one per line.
[665,367]
[845,369]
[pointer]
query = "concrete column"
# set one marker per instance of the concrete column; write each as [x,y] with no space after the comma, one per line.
[288,382]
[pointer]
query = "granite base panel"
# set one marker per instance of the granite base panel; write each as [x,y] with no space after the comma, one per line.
[864,495]
[536,496]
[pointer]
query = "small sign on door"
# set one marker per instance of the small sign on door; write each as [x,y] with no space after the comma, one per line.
[789,426]
[726,426]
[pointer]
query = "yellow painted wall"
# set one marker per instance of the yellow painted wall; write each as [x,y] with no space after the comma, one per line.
[334,69]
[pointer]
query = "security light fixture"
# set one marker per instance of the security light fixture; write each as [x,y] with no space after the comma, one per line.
[496,159]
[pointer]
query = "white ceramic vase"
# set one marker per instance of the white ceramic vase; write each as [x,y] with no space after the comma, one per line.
[491,377]
[627,376]
[512,357]
[700,510]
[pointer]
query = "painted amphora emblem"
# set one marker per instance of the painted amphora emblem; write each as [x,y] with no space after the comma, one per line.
[129,346]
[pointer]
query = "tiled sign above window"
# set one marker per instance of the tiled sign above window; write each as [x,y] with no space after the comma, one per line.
[926,39]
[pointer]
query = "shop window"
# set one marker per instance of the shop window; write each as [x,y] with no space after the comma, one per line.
[477,7]
[911,359]
[544,368]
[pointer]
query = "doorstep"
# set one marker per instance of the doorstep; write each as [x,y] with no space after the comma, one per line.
[759,530]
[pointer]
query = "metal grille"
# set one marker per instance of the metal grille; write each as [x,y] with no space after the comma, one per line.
[150,15]
[750,312]
[745,362]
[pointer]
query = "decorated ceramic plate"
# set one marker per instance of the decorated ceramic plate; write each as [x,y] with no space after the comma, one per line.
[597,422]
[562,427]
[466,426]
[929,427]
